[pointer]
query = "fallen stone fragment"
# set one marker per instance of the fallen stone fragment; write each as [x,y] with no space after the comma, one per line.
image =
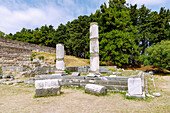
[116,73]
[148,95]
[95,89]
[156,94]
[75,74]
[47,87]
[112,76]
[3,80]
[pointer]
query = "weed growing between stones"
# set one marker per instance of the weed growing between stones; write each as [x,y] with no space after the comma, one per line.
[67,71]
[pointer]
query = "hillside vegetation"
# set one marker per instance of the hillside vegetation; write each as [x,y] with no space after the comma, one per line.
[70,61]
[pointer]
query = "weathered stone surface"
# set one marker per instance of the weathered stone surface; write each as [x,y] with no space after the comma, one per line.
[112,76]
[54,76]
[134,86]
[3,80]
[104,70]
[47,87]
[95,89]
[60,65]
[94,47]
[116,73]
[75,74]
[156,94]
[142,96]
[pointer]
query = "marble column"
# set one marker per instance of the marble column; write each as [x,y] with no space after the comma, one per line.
[94,47]
[60,65]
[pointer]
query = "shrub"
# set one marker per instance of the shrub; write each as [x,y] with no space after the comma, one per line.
[67,71]
[41,57]
[158,55]
[33,55]
[31,58]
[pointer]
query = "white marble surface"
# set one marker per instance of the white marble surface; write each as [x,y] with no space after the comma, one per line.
[45,84]
[134,86]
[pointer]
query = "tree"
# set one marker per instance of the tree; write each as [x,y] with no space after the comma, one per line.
[2,34]
[158,55]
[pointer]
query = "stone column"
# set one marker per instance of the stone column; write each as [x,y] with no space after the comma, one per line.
[94,47]
[60,65]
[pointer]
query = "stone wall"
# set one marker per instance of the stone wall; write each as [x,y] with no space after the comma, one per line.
[7,51]
[24,45]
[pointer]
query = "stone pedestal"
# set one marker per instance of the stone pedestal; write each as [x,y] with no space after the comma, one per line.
[135,88]
[94,48]
[60,65]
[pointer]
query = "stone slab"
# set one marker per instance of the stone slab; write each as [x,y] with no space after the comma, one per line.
[75,74]
[53,76]
[134,86]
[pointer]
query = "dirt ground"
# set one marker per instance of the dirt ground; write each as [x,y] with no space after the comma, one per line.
[17,99]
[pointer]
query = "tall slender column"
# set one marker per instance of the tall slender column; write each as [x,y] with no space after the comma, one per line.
[94,47]
[60,65]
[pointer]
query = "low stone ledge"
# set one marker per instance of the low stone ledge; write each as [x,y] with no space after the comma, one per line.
[95,89]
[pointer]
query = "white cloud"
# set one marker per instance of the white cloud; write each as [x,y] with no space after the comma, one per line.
[18,14]
[146,2]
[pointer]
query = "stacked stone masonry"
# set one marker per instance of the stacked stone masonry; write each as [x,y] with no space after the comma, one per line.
[17,46]
[94,47]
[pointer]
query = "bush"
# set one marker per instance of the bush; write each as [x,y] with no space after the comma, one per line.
[41,57]
[31,58]
[158,55]
[33,55]
[67,71]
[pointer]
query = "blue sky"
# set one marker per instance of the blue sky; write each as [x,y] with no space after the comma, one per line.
[16,14]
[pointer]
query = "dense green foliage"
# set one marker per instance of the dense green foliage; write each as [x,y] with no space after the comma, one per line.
[125,33]
[158,55]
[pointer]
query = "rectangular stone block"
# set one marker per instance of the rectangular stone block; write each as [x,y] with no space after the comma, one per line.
[94,32]
[75,74]
[47,87]
[134,86]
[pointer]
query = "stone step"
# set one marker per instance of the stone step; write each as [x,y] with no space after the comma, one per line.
[109,87]
[116,87]
[101,82]
[53,76]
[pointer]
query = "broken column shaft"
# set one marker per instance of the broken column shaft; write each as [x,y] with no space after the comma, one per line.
[60,65]
[94,47]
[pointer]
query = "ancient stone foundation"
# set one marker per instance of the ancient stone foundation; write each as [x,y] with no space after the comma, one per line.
[94,48]
[24,45]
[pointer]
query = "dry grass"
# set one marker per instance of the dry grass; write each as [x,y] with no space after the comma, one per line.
[70,61]
[20,99]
